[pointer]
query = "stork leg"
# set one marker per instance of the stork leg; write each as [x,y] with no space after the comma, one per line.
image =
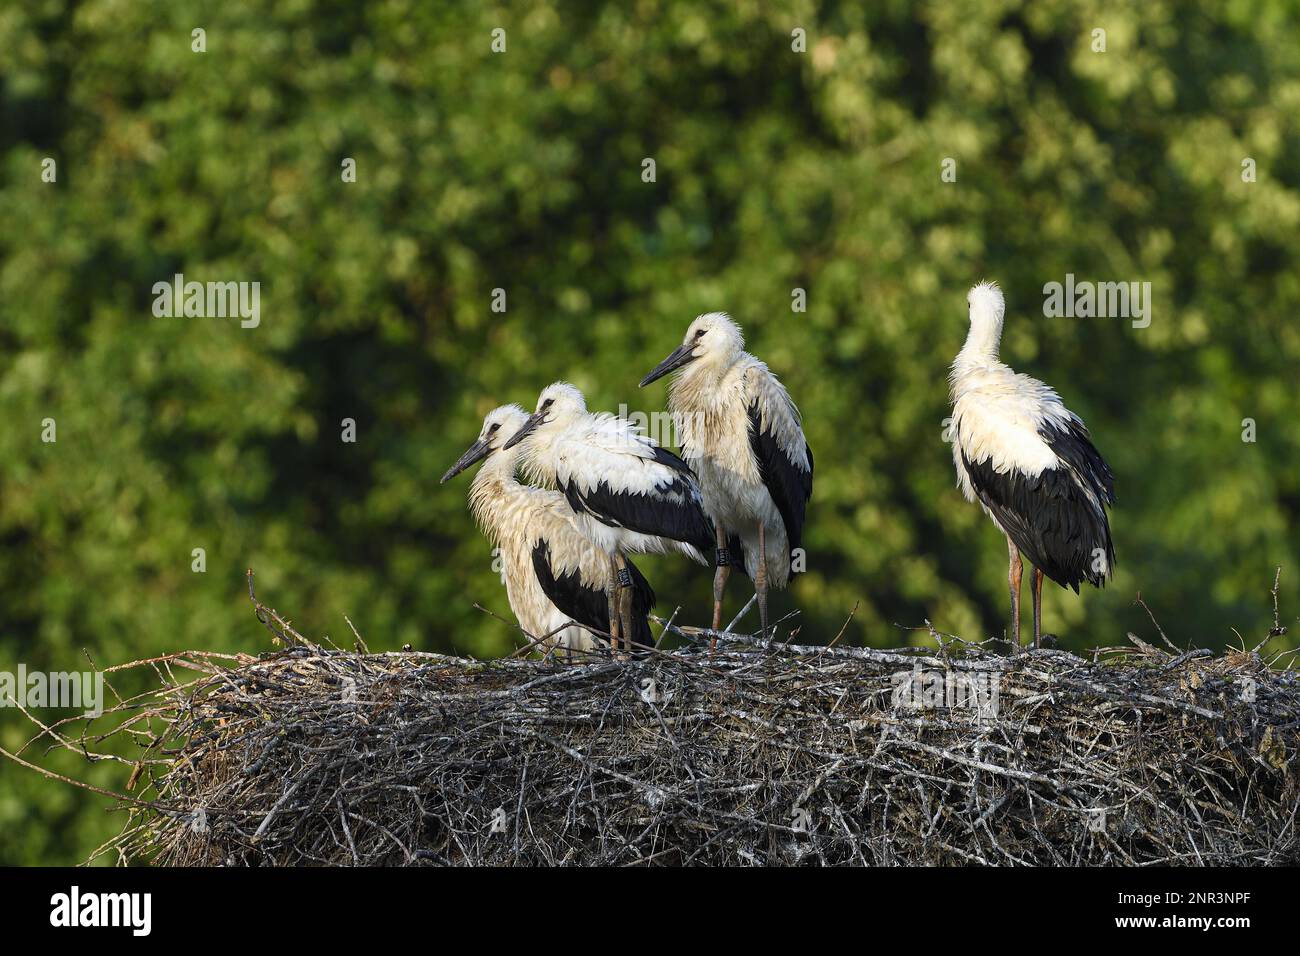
[760,582]
[624,587]
[1037,578]
[1014,571]
[615,618]
[720,580]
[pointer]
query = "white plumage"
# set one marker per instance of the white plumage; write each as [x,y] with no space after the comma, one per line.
[629,495]
[553,573]
[742,434]
[1030,463]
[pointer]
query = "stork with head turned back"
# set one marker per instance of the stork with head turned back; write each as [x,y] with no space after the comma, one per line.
[629,495]
[740,431]
[1030,463]
[553,573]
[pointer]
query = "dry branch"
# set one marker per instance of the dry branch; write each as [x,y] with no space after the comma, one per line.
[762,752]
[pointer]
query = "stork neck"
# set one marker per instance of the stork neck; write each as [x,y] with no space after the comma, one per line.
[982,345]
[493,487]
[537,454]
[697,384]
[499,469]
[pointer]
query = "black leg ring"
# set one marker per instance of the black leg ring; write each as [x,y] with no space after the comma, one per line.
[624,578]
[723,558]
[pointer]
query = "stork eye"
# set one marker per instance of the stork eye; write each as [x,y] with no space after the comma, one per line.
[699,335]
[547,404]
[493,429]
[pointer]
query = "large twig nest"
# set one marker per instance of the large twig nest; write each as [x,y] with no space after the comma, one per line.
[755,754]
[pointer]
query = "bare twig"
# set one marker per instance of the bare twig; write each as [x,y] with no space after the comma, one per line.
[764,751]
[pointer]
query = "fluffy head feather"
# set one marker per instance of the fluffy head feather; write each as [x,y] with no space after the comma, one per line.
[986,303]
[561,402]
[987,310]
[717,341]
[500,425]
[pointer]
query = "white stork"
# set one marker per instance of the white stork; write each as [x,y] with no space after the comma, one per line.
[1030,463]
[553,573]
[629,495]
[743,436]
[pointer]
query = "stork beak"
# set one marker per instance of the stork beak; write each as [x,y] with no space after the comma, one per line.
[682,355]
[475,452]
[534,420]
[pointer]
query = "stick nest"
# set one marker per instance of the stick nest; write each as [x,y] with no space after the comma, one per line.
[758,753]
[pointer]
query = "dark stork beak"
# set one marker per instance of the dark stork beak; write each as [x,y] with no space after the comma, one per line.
[682,355]
[475,452]
[534,420]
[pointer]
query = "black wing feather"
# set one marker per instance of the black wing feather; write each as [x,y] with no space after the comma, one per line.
[788,484]
[589,605]
[1073,445]
[665,457]
[1050,516]
[673,512]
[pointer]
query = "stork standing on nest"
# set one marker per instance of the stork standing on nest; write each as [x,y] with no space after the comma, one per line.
[553,574]
[1030,463]
[743,435]
[628,494]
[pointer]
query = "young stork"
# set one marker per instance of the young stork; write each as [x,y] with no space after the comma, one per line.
[742,434]
[1030,463]
[629,495]
[553,573]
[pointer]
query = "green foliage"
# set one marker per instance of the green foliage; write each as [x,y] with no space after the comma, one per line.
[521,170]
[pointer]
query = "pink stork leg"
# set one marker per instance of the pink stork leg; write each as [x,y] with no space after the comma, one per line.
[760,582]
[613,595]
[1014,572]
[1037,578]
[720,580]
[625,603]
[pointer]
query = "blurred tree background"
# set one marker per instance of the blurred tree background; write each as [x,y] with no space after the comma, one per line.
[777,168]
